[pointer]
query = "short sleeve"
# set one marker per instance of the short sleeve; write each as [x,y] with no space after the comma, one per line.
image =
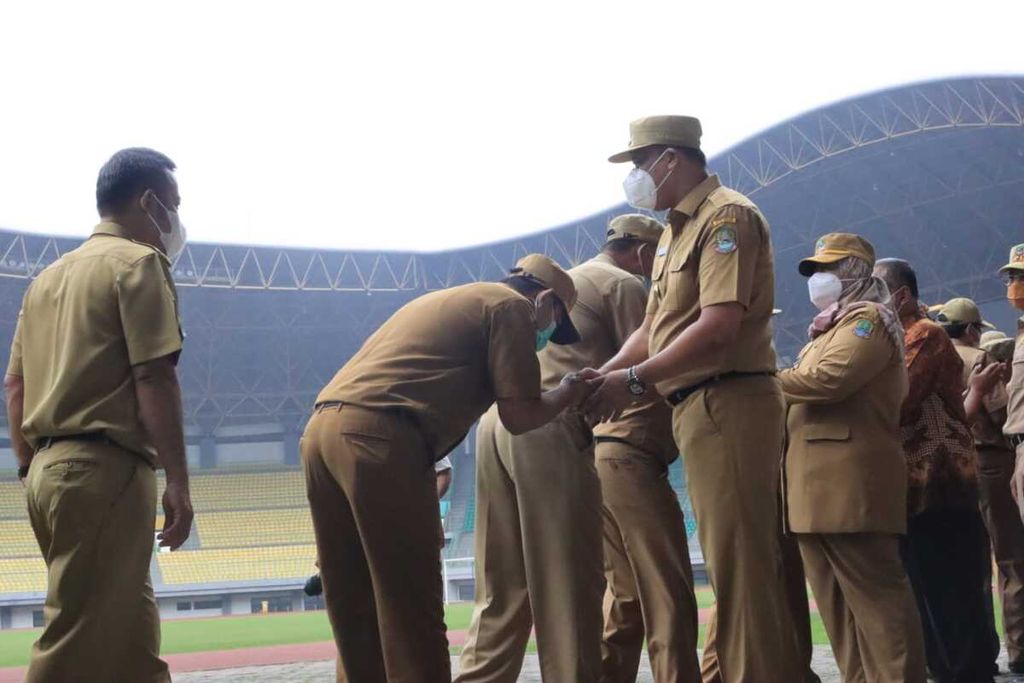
[511,351]
[729,252]
[627,304]
[14,366]
[149,310]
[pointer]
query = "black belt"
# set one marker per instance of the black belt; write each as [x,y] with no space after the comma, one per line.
[680,395]
[327,404]
[611,439]
[48,441]
[1016,439]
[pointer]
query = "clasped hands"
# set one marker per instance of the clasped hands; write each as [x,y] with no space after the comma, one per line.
[600,396]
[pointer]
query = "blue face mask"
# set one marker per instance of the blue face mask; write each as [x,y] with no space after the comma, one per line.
[543,336]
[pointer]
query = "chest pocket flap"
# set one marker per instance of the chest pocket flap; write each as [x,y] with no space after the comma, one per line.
[827,432]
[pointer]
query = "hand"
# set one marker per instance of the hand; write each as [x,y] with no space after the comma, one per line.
[984,380]
[611,395]
[177,516]
[578,387]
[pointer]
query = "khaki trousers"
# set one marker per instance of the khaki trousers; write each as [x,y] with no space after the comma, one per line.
[1003,522]
[538,554]
[730,434]
[370,483]
[647,567]
[92,506]
[867,605]
[796,596]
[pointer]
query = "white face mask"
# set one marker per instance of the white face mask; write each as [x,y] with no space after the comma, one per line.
[824,289]
[640,188]
[173,241]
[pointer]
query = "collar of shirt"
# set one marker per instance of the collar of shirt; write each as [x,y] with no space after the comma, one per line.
[117,230]
[693,200]
[604,258]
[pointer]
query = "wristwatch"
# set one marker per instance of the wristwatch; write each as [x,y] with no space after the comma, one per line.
[633,383]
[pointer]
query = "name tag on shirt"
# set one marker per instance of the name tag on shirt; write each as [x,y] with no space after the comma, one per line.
[661,251]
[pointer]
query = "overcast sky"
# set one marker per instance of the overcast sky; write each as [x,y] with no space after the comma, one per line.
[427,125]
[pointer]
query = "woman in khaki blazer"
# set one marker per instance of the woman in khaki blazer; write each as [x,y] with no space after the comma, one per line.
[845,476]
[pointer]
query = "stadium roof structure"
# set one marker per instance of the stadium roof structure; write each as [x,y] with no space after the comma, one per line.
[931,172]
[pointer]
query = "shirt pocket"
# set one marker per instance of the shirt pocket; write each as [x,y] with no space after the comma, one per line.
[679,282]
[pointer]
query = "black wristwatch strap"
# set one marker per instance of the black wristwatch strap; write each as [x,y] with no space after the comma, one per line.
[22,471]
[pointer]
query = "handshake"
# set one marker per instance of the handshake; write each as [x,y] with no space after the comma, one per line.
[600,396]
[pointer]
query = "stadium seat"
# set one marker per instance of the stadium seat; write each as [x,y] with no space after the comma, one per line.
[237,564]
[251,528]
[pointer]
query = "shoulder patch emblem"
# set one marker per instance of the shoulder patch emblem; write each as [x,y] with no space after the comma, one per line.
[724,240]
[864,328]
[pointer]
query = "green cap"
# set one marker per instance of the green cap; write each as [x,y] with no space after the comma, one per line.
[670,131]
[960,311]
[634,226]
[836,246]
[1016,259]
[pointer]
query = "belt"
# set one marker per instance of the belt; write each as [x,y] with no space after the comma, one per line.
[48,441]
[611,439]
[320,407]
[1016,439]
[680,395]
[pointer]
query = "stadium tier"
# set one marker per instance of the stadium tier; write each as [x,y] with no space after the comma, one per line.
[930,172]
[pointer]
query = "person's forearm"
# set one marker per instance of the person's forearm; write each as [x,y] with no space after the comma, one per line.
[633,352]
[524,416]
[14,389]
[159,399]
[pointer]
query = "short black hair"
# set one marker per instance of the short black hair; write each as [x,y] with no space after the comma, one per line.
[956,330]
[621,244]
[127,174]
[691,153]
[526,286]
[898,273]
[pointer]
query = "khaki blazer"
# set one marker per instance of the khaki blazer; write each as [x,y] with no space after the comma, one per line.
[844,466]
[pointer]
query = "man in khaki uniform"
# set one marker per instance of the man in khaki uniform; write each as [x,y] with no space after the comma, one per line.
[538,522]
[706,345]
[1013,428]
[647,561]
[93,406]
[404,401]
[962,321]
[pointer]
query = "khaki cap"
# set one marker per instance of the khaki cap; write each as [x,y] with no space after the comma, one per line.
[960,311]
[546,272]
[1001,350]
[992,335]
[836,246]
[635,226]
[1016,259]
[671,131]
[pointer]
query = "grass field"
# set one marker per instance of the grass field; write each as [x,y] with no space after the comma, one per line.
[228,633]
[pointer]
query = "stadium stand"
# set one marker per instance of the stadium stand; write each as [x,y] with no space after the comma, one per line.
[237,564]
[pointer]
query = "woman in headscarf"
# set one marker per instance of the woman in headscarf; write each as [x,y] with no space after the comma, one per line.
[845,475]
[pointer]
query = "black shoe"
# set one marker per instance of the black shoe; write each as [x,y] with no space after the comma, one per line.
[314,586]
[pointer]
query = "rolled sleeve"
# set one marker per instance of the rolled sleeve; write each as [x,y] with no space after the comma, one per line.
[511,351]
[729,252]
[149,310]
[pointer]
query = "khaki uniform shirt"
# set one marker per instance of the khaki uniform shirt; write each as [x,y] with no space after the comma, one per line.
[1015,389]
[717,251]
[85,321]
[844,467]
[443,359]
[988,430]
[609,308]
